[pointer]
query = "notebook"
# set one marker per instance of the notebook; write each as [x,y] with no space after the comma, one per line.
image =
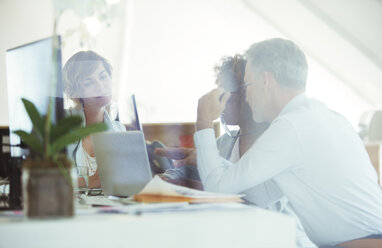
[122,159]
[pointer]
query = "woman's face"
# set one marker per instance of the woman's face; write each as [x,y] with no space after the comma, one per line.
[96,88]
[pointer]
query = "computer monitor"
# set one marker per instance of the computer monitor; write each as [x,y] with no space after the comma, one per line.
[29,75]
[132,119]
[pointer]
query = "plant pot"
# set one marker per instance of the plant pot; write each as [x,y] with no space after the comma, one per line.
[47,193]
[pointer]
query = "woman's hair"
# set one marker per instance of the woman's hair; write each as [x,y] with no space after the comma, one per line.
[77,68]
[231,69]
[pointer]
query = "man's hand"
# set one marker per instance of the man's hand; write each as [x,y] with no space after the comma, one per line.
[210,107]
[182,156]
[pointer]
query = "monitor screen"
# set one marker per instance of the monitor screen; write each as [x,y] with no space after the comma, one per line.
[132,120]
[29,75]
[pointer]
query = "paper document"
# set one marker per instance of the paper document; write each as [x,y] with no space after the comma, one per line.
[158,190]
[98,200]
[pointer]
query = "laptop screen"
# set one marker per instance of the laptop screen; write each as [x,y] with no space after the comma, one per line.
[132,121]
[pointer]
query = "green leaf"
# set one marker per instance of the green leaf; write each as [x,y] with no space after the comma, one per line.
[76,135]
[63,171]
[64,126]
[31,140]
[34,115]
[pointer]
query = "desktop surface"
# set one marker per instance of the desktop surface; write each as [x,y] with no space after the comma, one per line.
[209,226]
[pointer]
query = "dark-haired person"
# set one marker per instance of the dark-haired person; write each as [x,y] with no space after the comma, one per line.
[312,154]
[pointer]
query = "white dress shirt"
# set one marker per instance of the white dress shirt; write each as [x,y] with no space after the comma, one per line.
[316,159]
[282,206]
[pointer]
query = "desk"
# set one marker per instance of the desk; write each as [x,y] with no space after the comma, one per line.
[222,228]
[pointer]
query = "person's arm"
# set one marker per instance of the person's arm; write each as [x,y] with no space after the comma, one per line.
[210,106]
[81,182]
[181,155]
[94,181]
[277,150]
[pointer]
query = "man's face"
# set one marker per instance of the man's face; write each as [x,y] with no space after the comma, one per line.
[255,94]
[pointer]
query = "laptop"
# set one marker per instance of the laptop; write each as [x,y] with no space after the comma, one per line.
[122,158]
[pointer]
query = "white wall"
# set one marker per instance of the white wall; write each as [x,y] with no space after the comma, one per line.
[20,22]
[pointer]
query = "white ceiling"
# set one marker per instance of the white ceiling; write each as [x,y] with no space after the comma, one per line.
[344,36]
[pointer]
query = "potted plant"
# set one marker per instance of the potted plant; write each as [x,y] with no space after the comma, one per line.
[48,189]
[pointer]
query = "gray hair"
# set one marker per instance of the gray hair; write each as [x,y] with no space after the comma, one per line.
[283,59]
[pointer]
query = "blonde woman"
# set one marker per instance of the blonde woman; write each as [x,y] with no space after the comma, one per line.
[88,83]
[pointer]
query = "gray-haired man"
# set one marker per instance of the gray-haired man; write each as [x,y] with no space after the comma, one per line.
[311,153]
